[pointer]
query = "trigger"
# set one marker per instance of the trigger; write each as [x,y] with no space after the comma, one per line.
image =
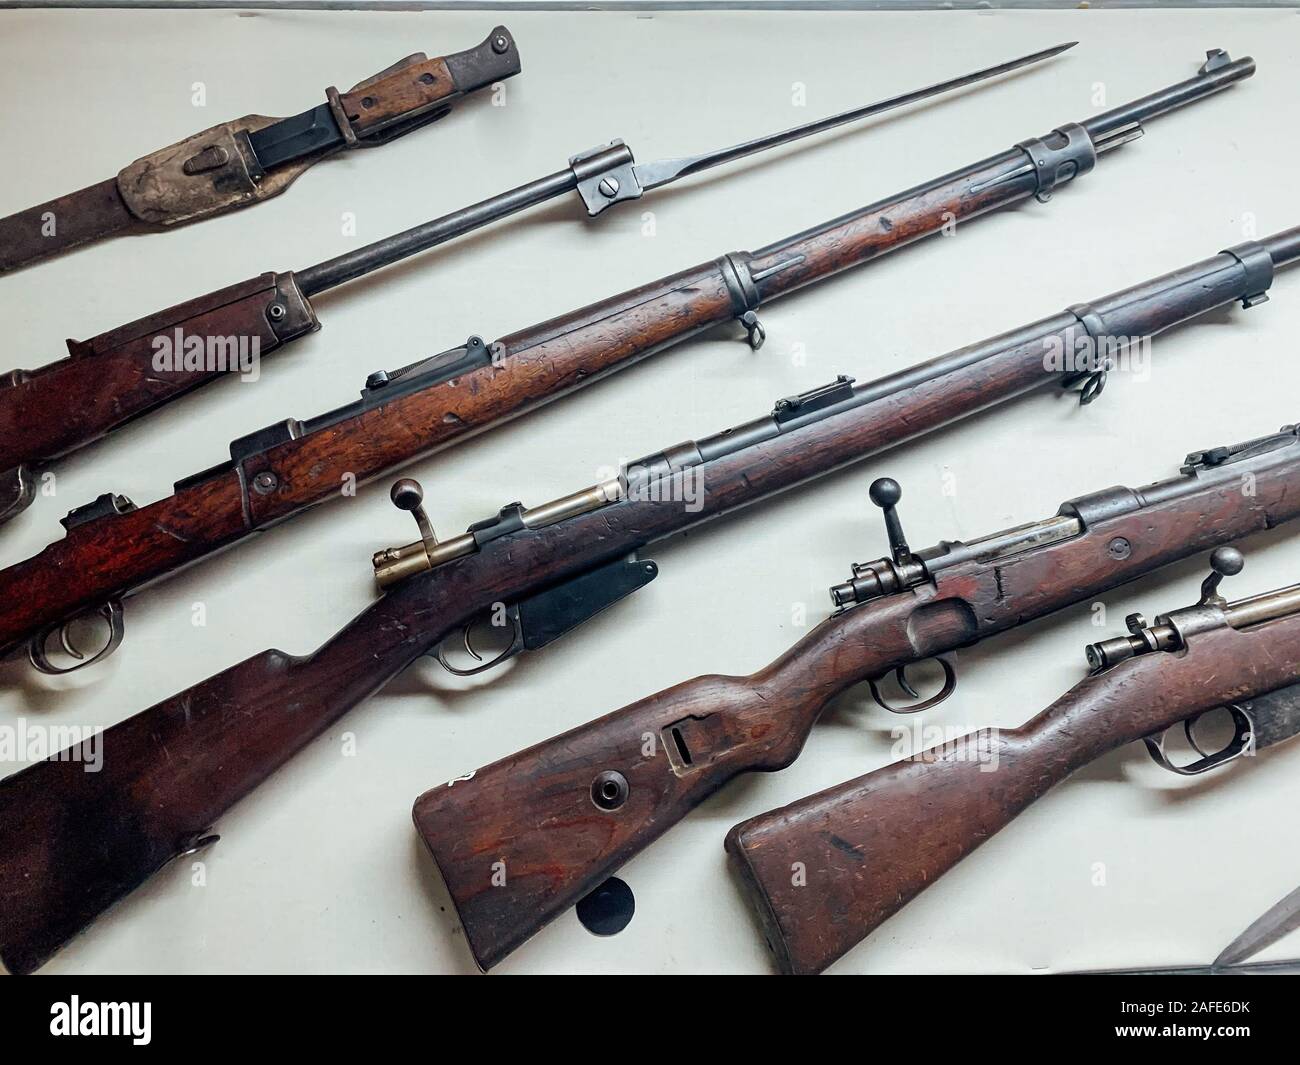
[900,674]
[947,660]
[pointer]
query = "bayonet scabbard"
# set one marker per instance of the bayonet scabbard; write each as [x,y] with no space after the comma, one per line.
[235,164]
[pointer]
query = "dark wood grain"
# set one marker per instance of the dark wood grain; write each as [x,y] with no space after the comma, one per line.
[534,814]
[111,379]
[416,615]
[534,366]
[869,846]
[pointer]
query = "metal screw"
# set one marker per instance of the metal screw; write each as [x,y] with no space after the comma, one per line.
[608,187]
[277,311]
[265,482]
[609,790]
[367,101]
[427,78]
[1120,548]
[500,43]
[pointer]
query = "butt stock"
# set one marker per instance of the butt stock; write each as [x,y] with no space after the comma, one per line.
[83,829]
[826,871]
[559,818]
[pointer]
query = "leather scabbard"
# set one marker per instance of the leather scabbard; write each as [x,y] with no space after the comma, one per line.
[222,168]
[77,218]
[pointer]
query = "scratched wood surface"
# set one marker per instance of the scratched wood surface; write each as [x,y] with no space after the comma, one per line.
[321,871]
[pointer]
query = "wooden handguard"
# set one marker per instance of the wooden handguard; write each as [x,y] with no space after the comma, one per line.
[825,871]
[111,379]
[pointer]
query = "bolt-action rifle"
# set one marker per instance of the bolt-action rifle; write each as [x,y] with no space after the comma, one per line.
[565,814]
[116,377]
[72,843]
[872,844]
[240,163]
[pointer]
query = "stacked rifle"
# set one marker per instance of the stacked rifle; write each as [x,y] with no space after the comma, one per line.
[567,814]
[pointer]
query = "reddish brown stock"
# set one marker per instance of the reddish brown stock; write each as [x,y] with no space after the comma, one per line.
[224,735]
[864,849]
[562,816]
[118,553]
[288,468]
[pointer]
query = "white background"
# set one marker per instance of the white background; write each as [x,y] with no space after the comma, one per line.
[320,870]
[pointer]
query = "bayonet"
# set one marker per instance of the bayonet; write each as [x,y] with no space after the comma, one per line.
[607,175]
[113,548]
[648,176]
[110,379]
[240,163]
[1280,920]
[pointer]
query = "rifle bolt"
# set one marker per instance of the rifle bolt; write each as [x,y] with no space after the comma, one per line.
[609,790]
[1120,548]
[265,482]
[608,187]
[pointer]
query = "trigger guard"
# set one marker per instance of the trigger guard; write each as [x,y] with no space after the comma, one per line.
[111,612]
[516,646]
[1238,746]
[949,686]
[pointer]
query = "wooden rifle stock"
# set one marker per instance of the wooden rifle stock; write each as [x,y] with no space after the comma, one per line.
[114,378]
[114,554]
[533,561]
[544,815]
[864,849]
[562,816]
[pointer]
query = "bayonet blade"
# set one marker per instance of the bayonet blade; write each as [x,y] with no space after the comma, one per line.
[656,174]
[1280,920]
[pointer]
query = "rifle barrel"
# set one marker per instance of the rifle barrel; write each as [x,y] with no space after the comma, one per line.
[343,268]
[1172,98]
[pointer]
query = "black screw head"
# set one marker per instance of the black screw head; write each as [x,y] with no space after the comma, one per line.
[500,43]
[885,492]
[609,790]
[406,494]
[1227,561]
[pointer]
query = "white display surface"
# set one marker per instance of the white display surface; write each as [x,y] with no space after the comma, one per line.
[320,870]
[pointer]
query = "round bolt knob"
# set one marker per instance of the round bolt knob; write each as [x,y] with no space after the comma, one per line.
[1227,561]
[885,492]
[407,494]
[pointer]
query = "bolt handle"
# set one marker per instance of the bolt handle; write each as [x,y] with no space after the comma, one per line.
[885,493]
[1224,562]
[408,494]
